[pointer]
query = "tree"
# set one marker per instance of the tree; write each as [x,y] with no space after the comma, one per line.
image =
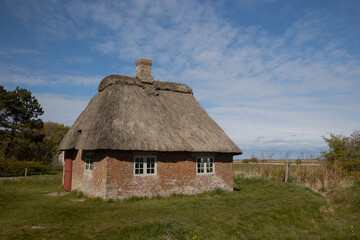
[53,134]
[343,152]
[20,126]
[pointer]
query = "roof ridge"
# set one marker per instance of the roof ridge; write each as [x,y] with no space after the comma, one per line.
[157,85]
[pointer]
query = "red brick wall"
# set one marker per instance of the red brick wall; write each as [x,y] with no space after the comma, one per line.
[91,183]
[113,175]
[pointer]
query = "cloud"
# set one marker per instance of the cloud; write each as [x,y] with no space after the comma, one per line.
[10,52]
[81,60]
[24,76]
[61,108]
[106,47]
[288,88]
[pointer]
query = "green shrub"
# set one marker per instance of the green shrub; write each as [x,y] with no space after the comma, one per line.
[343,153]
[12,167]
[251,160]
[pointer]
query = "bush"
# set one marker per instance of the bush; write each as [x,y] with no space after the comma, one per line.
[343,153]
[251,160]
[12,167]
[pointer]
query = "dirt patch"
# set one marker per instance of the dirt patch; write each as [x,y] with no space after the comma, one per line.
[78,200]
[37,227]
[326,209]
[56,194]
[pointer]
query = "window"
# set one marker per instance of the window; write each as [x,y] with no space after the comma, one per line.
[145,165]
[204,165]
[89,159]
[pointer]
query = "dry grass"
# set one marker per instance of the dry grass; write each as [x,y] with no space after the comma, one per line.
[322,179]
[317,177]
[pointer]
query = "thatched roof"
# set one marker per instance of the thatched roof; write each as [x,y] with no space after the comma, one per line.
[128,114]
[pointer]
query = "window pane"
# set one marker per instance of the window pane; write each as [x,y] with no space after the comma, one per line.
[144,165]
[200,165]
[204,164]
[210,169]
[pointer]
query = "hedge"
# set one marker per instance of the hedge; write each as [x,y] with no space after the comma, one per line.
[12,167]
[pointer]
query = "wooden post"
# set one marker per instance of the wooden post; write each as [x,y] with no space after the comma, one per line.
[25,172]
[297,169]
[286,171]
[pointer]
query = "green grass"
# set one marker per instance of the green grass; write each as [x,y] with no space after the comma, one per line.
[257,209]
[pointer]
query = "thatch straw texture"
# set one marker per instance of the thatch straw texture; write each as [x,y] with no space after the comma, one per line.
[127,114]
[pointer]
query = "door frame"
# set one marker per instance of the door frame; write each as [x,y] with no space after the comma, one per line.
[68,164]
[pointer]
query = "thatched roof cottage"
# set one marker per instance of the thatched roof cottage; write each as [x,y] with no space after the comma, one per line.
[140,137]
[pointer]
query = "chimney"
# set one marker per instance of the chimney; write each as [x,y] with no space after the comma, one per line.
[143,70]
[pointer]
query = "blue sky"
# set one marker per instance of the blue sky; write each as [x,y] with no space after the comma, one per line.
[275,75]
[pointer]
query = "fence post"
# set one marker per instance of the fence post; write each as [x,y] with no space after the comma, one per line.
[286,171]
[25,172]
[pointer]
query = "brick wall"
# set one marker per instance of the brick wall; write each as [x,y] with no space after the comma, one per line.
[91,183]
[113,175]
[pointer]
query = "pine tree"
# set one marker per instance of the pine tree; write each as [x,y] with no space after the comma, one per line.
[19,123]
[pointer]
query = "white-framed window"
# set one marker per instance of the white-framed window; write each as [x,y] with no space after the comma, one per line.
[205,165]
[89,159]
[144,165]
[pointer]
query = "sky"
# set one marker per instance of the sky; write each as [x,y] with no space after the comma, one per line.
[276,75]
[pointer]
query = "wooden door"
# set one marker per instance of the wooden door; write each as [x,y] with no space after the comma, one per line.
[68,170]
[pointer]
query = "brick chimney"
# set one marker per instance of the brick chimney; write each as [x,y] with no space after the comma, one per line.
[143,70]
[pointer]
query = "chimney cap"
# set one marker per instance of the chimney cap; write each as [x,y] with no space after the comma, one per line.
[143,61]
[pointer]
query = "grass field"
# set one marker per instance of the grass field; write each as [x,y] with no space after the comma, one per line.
[257,209]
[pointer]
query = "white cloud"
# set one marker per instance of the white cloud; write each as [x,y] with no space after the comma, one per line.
[61,108]
[10,52]
[87,81]
[301,83]
[24,76]
[106,47]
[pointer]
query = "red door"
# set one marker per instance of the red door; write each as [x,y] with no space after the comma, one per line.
[68,170]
